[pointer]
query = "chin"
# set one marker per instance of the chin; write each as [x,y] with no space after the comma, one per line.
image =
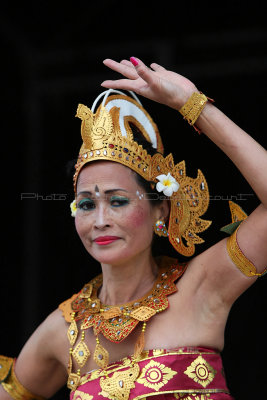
[112,256]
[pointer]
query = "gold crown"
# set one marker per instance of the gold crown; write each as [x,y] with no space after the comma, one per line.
[107,135]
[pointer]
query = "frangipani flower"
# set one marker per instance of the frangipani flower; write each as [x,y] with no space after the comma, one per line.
[73,208]
[167,184]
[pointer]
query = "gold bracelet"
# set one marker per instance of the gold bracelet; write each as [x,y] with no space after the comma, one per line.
[10,382]
[239,258]
[192,109]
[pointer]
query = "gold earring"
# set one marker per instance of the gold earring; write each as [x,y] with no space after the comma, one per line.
[160,228]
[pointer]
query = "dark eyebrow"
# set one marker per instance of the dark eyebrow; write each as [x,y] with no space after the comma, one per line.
[106,191]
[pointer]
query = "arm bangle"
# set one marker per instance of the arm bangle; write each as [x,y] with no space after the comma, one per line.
[192,109]
[10,382]
[239,259]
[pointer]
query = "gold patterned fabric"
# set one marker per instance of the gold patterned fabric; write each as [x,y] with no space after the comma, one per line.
[188,373]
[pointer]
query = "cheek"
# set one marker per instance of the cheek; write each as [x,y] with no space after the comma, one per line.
[138,217]
[80,226]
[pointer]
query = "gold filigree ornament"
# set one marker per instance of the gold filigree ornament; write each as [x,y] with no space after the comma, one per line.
[107,135]
[119,385]
[116,322]
[201,371]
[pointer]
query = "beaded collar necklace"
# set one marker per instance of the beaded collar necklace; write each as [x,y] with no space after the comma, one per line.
[116,322]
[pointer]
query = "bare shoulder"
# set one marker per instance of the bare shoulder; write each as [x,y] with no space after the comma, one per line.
[42,364]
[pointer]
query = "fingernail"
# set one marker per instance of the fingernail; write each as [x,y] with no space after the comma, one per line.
[134,61]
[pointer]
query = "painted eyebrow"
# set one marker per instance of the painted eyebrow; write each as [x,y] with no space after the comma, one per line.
[106,191]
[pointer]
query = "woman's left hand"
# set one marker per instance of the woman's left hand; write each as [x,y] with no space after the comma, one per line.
[155,83]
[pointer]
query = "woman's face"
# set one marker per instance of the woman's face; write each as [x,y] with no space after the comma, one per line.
[113,219]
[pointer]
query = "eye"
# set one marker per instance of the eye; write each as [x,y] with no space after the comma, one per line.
[86,204]
[118,201]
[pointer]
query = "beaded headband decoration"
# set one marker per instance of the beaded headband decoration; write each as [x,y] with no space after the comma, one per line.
[107,135]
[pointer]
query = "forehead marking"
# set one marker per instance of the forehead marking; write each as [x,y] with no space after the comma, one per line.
[97,191]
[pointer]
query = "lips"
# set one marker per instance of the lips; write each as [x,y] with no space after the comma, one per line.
[105,239]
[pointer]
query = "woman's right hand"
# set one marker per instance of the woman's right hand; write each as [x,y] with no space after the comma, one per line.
[155,83]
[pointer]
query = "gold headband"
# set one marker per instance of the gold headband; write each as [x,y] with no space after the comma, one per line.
[107,135]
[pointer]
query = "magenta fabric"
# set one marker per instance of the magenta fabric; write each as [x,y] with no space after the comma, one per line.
[188,373]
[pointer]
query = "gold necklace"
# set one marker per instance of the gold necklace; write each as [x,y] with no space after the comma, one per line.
[117,322]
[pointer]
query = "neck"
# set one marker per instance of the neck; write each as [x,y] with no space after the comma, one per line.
[128,281]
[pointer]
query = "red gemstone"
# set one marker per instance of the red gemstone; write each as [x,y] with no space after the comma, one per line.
[111,146]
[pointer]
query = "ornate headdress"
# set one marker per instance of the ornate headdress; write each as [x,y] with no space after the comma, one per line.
[107,135]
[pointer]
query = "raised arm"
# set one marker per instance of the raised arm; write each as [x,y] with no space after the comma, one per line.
[171,89]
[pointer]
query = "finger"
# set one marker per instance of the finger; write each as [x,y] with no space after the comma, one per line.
[143,71]
[126,71]
[120,84]
[128,63]
[157,67]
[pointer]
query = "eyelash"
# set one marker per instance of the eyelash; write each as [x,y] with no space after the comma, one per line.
[88,204]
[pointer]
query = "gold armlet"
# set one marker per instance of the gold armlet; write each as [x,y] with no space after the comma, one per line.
[239,259]
[10,382]
[192,109]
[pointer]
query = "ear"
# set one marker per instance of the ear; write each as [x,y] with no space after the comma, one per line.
[163,210]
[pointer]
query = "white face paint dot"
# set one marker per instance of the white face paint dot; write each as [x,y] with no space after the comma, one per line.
[140,195]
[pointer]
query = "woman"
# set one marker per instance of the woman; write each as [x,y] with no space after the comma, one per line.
[147,327]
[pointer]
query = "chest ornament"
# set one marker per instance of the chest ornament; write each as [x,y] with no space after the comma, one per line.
[115,323]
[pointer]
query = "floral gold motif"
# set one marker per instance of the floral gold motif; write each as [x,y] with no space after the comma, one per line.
[155,375]
[201,371]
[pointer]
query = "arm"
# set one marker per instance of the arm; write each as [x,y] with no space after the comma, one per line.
[42,364]
[218,271]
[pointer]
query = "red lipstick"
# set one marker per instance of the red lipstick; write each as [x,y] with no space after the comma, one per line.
[102,240]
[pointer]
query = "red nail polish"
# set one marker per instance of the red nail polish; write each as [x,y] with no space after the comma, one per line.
[134,61]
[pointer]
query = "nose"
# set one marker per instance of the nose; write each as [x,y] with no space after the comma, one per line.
[102,219]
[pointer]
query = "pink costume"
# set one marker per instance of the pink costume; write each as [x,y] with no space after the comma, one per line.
[187,373]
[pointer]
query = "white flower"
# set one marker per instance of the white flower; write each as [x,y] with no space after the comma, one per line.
[167,184]
[73,208]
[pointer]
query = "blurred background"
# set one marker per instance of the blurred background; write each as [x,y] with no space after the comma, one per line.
[52,55]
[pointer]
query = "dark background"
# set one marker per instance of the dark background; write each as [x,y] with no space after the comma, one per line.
[51,59]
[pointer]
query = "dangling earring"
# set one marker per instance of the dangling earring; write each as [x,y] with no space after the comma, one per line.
[160,228]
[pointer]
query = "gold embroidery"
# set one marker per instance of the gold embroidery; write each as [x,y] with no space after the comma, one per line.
[201,371]
[119,385]
[155,375]
[78,395]
[158,352]
[192,397]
